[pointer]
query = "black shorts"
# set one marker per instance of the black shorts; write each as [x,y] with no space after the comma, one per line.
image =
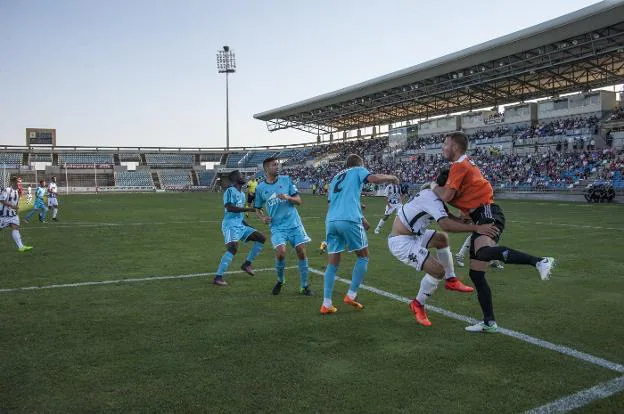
[488,213]
[251,197]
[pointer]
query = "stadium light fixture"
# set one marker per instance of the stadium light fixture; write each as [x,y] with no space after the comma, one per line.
[226,63]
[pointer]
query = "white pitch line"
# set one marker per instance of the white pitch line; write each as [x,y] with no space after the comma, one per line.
[128,224]
[575,226]
[131,280]
[514,334]
[581,398]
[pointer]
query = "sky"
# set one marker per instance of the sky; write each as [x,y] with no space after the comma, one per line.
[143,72]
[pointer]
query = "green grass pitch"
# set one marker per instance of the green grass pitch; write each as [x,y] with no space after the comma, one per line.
[185,345]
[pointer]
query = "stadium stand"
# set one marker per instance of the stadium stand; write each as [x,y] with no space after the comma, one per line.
[174,178]
[255,158]
[234,158]
[139,178]
[40,158]
[77,158]
[129,157]
[205,178]
[10,159]
[170,160]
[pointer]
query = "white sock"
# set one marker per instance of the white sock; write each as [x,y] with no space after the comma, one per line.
[446,258]
[381,223]
[54,213]
[465,247]
[18,238]
[428,285]
[327,303]
[351,294]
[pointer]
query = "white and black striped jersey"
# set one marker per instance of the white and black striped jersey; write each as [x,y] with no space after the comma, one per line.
[418,213]
[52,190]
[393,194]
[11,196]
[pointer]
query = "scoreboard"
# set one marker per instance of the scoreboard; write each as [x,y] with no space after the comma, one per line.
[41,136]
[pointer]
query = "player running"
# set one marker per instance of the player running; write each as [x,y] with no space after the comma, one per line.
[9,203]
[52,197]
[394,198]
[470,192]
[411,238]
[345,228]
[281,198]
[39,203]
[235,229]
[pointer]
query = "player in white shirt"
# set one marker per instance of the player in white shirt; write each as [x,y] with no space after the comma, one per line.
[29,198]
[394,198]
[52,197]
[9,204]
[411,238]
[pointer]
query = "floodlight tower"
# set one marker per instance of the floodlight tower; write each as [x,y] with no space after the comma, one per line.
[226,63]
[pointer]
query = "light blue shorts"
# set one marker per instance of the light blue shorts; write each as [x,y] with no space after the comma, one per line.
[294,236]
[236,233]
[343,234]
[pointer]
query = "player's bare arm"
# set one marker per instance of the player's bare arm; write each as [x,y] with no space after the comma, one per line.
[382,178]
[296,199]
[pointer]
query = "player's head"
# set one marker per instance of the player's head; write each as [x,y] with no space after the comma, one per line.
[455,145]
[354,160]
[53,179]
[42,183]
[270,166]
[236,178]
[14,181]
[442,177]
[19,179]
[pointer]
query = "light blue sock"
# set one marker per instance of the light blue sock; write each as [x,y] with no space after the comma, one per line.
[279,267]
[226,259]
[328,282]
[303,272]
[359,271]
[255,250]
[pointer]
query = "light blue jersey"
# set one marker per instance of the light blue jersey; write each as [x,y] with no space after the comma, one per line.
[40,193]
[283,214]
[237,198]
[344,195]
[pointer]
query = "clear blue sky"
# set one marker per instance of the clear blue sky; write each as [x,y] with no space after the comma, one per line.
[139,72]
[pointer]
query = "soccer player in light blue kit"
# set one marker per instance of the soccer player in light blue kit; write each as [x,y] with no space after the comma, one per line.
[39,203]
[235,229]
[281,196]
[344,227]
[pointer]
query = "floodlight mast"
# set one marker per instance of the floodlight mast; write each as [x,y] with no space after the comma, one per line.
[226,63]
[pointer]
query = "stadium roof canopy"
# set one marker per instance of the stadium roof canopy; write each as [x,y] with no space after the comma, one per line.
[578,51]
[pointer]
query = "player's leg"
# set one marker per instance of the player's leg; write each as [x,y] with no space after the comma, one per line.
[17,237]
[43,211]
[304,284]
[381,223]
[440,241]
[258,240]
[31,213]
[226,259]
[55,209]
[357,241]
[459,257]
[487,252]
[335,245]
[484,293]
[299,238]
[434,272]
[280,265]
